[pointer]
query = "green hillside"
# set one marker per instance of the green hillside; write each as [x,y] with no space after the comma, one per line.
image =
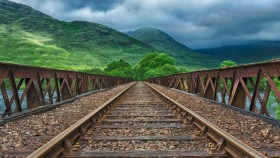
[30,37]
[246,53]
[184,56]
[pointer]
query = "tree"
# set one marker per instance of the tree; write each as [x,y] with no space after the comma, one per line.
[119,68]
[153,65]
[117,64]
[227,63]
[161,71]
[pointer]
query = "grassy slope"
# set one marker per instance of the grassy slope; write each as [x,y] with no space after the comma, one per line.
[30,37]
[246,53]
[183,55]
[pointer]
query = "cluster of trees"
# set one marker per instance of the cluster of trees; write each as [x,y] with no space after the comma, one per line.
[119,68]
[152,65]
[155,64]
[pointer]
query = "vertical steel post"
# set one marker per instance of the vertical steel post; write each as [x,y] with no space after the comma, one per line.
[239,99]
[209,92]
[65,91]
[32,97]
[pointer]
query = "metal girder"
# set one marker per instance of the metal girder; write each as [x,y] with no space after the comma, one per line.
[38,86]
[231,85]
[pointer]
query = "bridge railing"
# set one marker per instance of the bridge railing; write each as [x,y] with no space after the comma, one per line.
[41,86]
[233,85]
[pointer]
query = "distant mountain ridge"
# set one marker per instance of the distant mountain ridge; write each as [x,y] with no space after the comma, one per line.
[30,37]
[183,54]
[245,53]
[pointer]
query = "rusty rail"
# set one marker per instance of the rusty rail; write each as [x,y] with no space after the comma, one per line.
[64,141]
[64,144]
[233,83]
[43,86]
[224,142]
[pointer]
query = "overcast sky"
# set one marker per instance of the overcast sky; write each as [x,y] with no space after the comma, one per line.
[195,23]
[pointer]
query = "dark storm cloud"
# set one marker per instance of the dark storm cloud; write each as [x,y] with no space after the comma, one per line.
[238,19]
[95,5]
[202,23]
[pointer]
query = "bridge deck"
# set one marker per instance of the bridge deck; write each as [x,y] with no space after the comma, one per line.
[21,137]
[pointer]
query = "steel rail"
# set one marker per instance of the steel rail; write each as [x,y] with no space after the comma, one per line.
[225,141]
[64,140]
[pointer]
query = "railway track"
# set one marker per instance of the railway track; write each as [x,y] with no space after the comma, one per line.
[142,122]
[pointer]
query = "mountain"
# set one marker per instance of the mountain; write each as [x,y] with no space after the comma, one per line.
[183,55]
[246,53]
[30,37]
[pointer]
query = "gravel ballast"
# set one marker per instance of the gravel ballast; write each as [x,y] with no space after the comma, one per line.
[31,132]
[254,131]
[137,127]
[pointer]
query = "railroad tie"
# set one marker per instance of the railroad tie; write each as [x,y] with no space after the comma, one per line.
[141,122]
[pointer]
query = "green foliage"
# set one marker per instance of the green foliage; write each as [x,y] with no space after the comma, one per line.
[119,68]
[95,71]
[182,70]
[163,70]
[32,38]
[273,99]
[227,63]
[153,65]
[117,64]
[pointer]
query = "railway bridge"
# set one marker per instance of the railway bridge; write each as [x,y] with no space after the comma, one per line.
[229,112]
